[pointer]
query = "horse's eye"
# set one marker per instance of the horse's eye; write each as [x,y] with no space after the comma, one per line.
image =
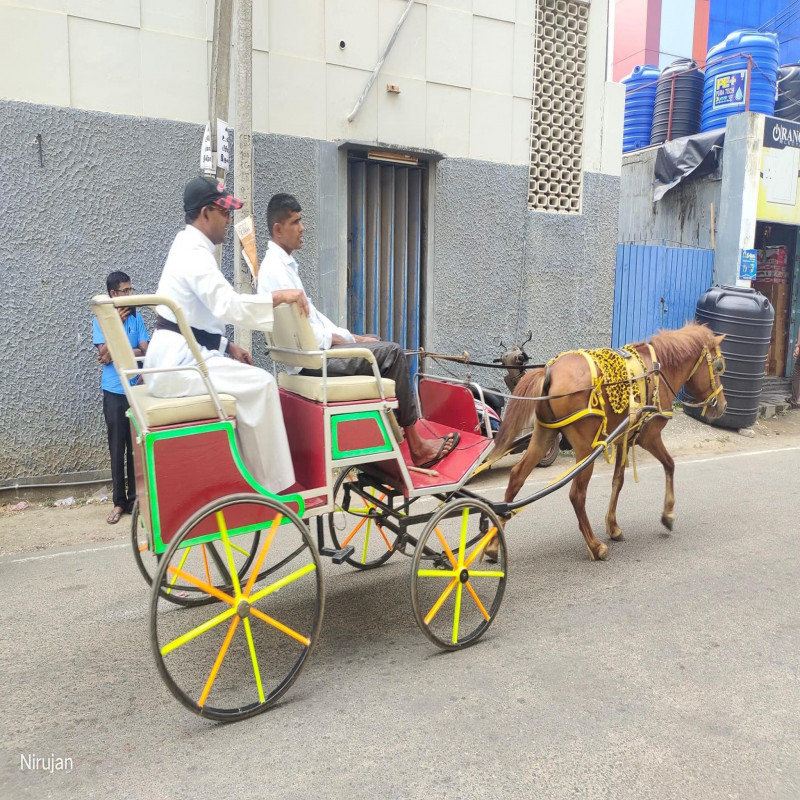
[719,365]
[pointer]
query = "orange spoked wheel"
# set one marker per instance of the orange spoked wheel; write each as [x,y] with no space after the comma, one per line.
[455,591]
[358,520]
[238,657]
[207,559]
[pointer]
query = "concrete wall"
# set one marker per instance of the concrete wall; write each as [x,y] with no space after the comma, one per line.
[464,67]
[107,195]
[682,216]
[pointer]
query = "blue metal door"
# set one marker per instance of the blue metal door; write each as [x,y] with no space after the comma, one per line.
[385,250]
[657,287]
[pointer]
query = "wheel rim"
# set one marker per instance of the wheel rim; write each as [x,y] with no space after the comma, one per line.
[455,595]
[356,521]
[236,661]
[204,558]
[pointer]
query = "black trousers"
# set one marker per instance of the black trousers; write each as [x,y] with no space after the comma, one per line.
[392,364]
[120,449]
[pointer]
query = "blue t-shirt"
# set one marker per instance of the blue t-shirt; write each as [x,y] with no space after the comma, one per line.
[134,328]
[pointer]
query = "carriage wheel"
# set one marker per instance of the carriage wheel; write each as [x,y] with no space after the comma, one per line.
[455,592]
[552,452]
[235,659]
[359,524]
[205,557]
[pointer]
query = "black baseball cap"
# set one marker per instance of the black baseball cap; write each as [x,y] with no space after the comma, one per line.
[202,191]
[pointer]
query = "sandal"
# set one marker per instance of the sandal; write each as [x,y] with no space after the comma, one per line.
[455,438]
[114,517]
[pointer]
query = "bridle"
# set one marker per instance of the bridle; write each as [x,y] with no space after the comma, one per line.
[716,368]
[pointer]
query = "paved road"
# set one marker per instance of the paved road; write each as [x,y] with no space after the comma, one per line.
[669,671]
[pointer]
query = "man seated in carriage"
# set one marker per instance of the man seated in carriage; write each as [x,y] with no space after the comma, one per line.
[279,272]
[192,279]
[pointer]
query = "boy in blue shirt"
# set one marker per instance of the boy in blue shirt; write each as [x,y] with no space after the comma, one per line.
[115,404]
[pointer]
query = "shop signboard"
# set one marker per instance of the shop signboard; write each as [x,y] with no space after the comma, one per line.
[778,194]
[730,88]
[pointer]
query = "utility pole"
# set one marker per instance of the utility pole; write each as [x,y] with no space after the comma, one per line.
[220,83]
[243,150]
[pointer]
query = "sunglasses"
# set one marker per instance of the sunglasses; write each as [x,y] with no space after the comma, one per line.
[226,212]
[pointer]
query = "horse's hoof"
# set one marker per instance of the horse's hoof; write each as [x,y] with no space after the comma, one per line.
[491,550]
[616,535]
[601,554]
[668,520]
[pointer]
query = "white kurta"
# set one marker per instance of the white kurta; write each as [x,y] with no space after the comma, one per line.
[192,278]
[278,271]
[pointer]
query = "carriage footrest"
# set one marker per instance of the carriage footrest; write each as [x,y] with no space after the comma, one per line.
[338,556]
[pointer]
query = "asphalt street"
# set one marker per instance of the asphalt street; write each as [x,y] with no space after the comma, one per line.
[669,671]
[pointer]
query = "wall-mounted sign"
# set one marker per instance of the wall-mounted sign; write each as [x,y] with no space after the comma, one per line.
[778,190]
[747,265]
[730,88]
[206,155]
[223,145]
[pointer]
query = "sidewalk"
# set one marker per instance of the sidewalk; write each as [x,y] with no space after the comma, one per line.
[42,527]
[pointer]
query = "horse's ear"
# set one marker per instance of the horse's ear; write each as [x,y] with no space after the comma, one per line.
[718,339]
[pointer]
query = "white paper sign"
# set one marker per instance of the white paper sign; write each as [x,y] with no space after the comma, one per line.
[206,155]
[223,145]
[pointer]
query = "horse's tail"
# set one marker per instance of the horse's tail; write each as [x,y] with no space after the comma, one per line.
[519,414]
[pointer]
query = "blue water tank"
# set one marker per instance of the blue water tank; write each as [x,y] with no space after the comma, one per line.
[725,86]
[639,104]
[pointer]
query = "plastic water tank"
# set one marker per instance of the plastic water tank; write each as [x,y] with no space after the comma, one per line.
[745,317]
[686,98]
[725,87]
[787,105]
[639,107]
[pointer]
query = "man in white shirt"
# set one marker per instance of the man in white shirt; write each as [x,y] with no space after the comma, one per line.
[192,278]
[278,271]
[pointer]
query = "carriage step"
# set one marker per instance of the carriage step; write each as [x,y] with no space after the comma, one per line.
[338,556]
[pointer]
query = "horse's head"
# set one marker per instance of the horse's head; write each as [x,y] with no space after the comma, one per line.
[705,380]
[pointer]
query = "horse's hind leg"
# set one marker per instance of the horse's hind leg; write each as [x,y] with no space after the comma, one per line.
[577,495]
[613,529]
[540,442]
[650,440]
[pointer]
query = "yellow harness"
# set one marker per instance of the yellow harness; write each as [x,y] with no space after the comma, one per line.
[625,380]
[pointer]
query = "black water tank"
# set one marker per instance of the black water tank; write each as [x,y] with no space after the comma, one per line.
[687,101]
[787,104]
[745,317]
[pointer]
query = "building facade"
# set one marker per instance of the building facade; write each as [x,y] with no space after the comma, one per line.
[102,114]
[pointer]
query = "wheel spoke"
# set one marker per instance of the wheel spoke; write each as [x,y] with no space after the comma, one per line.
[477,601]
[260,560]
[180,567]
[457,612]
[385,537]
[437,573]
[195,632]
[205,563]
[485,573]
[253,658]
[218,663]
[283,582]
[206,587]
[366,543]
[462,545]
[223,532]
[438,604]
[354,532]
[446,547]
[480,547]
[280,626]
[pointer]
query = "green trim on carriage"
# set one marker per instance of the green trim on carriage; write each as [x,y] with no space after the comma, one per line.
[376,416]
[174,433]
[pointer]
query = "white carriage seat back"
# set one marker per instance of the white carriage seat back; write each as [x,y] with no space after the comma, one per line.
[151,412]
[292,331]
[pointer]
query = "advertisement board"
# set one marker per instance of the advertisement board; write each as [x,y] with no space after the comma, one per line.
[778,194]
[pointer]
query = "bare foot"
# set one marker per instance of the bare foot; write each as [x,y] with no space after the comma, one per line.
[425,452]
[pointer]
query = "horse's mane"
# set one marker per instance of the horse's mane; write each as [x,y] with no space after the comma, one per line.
[674,348]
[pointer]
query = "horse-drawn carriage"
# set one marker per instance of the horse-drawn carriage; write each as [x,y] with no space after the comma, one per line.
[237,587]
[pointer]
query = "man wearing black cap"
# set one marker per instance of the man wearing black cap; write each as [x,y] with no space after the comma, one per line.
[193,280]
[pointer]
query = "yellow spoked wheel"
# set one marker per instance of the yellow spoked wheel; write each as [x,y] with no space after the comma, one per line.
[357,520]
[455,591]
[236,658]
[206,559]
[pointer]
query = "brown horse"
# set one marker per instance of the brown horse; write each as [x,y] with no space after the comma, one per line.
[689,356]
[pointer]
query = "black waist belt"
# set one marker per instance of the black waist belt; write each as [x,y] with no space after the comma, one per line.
[211,341]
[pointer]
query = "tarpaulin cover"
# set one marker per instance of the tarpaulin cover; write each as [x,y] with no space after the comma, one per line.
[685,159]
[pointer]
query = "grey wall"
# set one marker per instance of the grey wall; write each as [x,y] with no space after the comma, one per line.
[500,270]
[108,196]
[682,216]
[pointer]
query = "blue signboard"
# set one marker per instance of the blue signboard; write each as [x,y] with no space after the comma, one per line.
[730,88]
[747,265]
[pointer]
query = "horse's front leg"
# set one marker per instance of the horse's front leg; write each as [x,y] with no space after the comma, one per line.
[612,528]
[540,442]
[651,441]
[598,551]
